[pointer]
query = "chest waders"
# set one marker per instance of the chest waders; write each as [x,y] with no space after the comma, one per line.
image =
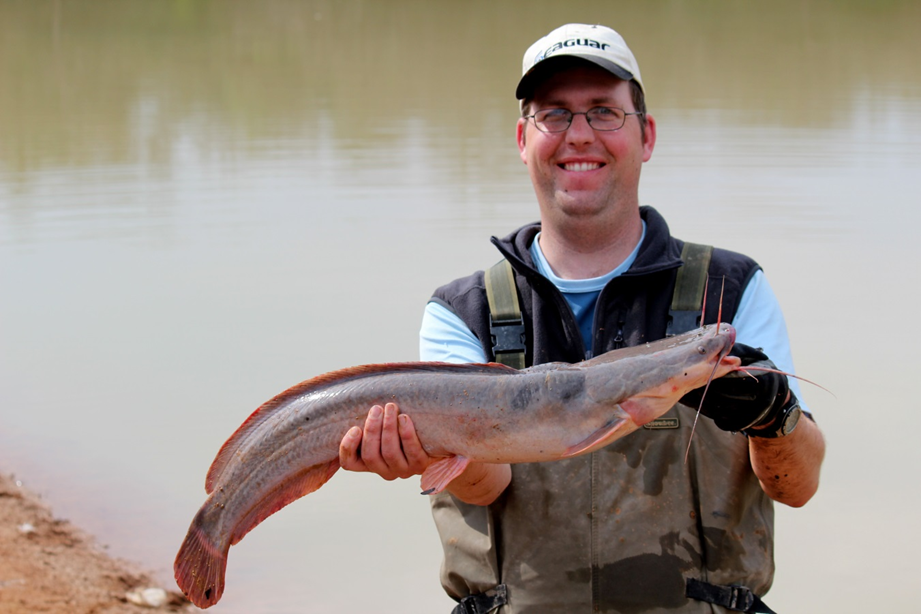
[507,335]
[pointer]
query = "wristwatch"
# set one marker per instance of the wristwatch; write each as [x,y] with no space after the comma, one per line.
[783,424]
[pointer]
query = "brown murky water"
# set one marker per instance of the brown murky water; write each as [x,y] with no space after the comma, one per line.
[202,203]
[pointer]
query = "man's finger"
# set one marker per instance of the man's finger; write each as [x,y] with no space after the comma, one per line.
[391,448]
[349,458]
[371,441]
[416,456]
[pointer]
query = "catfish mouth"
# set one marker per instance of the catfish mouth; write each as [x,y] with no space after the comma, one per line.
[731,363]
[725,359]
[716,343]
[731,331]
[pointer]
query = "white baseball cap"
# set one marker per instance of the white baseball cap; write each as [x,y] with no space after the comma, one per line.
[598,44]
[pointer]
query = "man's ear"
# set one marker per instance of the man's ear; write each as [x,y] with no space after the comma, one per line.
[649,138]
[520,130]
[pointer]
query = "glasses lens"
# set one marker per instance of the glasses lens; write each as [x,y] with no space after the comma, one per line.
[553,120]
[600,118]
[606,118]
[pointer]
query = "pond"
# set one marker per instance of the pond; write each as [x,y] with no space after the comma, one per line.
[203,203]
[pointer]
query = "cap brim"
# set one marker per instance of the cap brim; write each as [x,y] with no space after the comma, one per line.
[545,68]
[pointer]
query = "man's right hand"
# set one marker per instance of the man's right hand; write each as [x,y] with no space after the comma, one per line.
[388,445]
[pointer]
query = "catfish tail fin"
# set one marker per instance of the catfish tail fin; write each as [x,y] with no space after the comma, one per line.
[200,566]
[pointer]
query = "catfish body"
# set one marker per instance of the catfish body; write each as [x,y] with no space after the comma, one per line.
[462,413]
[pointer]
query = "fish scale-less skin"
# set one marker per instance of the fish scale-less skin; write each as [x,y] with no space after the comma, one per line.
[488,413]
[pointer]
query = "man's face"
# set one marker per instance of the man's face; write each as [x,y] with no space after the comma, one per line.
[584,172]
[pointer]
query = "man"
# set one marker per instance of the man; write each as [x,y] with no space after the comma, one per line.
[632,527]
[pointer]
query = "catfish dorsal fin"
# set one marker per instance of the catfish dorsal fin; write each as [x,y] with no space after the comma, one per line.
[268,409]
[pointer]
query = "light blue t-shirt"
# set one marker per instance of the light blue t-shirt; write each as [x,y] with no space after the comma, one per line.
[758,321]
[582,294]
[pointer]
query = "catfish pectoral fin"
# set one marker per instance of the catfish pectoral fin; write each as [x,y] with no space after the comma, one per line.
[602,437]
[440,473]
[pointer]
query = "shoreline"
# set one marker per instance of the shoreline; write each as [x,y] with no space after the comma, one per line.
[48,564]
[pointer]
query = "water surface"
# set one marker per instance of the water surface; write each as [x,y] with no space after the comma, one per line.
[203,203]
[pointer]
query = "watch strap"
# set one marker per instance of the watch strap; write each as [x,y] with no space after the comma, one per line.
[778,426]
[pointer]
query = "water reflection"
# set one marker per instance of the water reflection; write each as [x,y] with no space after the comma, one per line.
[202,203]
[110,81]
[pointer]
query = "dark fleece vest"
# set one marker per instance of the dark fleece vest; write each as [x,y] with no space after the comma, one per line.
[622,528]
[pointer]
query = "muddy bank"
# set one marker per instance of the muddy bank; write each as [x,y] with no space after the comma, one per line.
[49,565]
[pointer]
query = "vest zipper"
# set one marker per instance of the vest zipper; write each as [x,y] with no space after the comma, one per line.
[619,337]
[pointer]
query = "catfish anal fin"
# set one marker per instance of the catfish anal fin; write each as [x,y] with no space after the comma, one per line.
[289,491]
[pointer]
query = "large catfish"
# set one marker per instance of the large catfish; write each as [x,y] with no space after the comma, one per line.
[463,413]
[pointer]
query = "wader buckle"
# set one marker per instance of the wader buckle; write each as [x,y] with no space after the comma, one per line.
[735,598]
[482,603]
[507,335]
[740,598]
[506,324]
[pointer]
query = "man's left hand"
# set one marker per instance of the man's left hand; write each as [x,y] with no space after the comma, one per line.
[739,400]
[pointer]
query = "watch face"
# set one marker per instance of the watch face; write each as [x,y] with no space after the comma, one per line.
[791,420]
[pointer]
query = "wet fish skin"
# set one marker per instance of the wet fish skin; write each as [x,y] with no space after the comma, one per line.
[289,447]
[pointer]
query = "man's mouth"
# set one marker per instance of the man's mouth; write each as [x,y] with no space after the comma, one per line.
[581,166]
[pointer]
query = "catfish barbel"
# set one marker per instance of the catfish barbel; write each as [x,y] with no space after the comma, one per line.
[490,413]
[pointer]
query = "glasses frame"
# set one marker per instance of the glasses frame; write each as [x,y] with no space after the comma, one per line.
[588,119]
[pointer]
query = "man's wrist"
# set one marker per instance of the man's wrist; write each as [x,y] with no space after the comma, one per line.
[783,422]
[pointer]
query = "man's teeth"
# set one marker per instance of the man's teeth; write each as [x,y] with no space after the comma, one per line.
[581,166]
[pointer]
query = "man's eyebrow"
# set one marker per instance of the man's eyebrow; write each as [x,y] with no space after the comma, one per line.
[553,103]
[605,100]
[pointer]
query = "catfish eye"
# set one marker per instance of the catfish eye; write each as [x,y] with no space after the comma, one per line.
[701,349]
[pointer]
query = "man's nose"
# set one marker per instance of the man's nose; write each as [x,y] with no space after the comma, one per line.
[580,131]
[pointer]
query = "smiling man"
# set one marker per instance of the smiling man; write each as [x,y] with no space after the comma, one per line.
[585,167]
[632,527]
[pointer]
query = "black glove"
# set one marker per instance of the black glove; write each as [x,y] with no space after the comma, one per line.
[739,401]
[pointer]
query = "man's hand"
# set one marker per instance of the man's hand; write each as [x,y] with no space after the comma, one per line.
[388,445]
[739,400]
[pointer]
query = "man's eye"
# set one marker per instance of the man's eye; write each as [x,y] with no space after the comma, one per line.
[604,113]
[554,115]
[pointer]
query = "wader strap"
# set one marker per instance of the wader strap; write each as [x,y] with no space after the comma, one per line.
[684,314]
[482,603]
[506,326]
[735,598]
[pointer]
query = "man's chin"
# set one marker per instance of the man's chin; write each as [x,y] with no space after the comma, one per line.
[579,202]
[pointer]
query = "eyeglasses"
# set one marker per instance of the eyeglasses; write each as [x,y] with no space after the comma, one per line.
[605,119]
